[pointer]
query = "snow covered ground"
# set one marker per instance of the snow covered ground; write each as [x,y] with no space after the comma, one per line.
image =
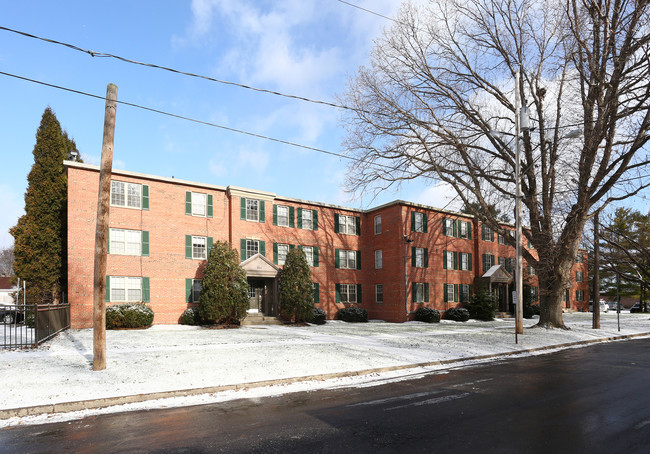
[173,357]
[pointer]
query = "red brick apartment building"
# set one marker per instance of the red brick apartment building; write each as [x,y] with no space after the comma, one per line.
[389,260]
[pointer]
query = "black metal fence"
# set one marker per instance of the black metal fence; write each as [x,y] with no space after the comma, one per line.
[28,325]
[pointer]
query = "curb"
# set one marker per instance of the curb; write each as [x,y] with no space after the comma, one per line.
[65,407]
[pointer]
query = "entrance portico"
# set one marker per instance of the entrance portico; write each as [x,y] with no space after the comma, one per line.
[499,281]
[262,276]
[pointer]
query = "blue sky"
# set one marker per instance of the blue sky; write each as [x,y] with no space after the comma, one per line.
[303,47]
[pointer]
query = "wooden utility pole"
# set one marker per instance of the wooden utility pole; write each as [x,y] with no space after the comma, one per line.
[101,231]
[596,296]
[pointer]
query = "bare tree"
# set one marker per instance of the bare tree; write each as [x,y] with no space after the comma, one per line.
[7,261]
[440,83]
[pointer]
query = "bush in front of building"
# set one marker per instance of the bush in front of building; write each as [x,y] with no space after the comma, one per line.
[482,306]
[296,288]
[319,316]
[190,316]
[427,314]
[457,314]
[129,315]
[224,291]
[353,314]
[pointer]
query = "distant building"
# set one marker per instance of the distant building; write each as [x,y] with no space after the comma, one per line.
[6,289]
[389,260]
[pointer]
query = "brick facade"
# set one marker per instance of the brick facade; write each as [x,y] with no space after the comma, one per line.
[161,219]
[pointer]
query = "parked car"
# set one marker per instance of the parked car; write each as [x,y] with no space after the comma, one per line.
[603,306]
[612,305]
[9,314]
[635,308]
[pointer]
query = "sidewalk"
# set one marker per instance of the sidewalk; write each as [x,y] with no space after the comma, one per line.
[180,361]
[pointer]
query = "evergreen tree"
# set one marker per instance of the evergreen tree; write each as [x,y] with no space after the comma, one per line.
[296,288]
[40,246]
[224,292]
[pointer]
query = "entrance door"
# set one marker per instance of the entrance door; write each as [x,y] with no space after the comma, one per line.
[256,296]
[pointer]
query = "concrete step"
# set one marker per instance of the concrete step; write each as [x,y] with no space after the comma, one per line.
[261,319]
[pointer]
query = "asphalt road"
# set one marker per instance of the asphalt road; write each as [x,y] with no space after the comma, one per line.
[588,400]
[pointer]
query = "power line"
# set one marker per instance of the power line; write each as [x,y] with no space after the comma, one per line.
[169,114]
[165,68]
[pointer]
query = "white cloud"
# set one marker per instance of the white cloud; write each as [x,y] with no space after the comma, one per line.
[12,208]
[440,195]
[250,161]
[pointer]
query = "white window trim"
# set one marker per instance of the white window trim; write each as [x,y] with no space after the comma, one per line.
[278,216]
[257,243]
[205,239]
[310,258]
[196,204]
[419,293]
[344,257]
[285,247]
[347,223]
[126,243]
[126,287]
[418,218]
[419,257]
[377,286]
[377,224]
[126,195]
[345,290]
[309,225]
[250,210]
[379,259]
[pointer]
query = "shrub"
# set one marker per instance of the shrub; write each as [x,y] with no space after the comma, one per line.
[457,314]
[129,315]
[191,316]
[224,290]
[296,289]
[319,316]
[427,314]
[30,319]
[353,314]
[482,306]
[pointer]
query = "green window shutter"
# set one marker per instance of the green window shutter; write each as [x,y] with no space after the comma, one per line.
[337,291]
[469,230]
[412,221]
[357,221]
[444,292]
[263,248]
[108,289]
[242,248]
[210,243]
[425,221]
[469,261]
[314,217]
[359,297]
[299,218]
[492,260]
[492,235]
[336,223]
[275,214]
[455,260]
[426,292]
[262,214]
[108,245]
[292,246]
[145,196]
[456,293]
[336,258]
[291,216]
[210,204]
[144,238]
[188,202]
[316,293]
[275,253]
[188,246]
[188,290]
[426,257]
[315,254]
[412,255]
[358,260]
[146,297]
[444,260]
[242,211]
[413,292]
[444,226]
[455,229]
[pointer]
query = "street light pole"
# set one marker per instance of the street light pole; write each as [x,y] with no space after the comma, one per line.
[407,240]
[519,116]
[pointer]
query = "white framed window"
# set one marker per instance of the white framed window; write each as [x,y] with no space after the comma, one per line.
[283,215]
[419,257]
[283,250]
[501,239]
[418,289]
[309,254]
[125,289]
[125,194]
[252,248]
[252,210]
[488,261]
[486,233]
[125,242]
[449,292]
[418,222]
[580,295]
[378,224]
[307,219]
[464,290]
[348,259]
[379,293]
[348,293]
[199,247]
[378,259]
[449,260]
[580,277]
[450,226]
[464,261]
[463,229]
[347,224]
[199,204]
[197,285]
